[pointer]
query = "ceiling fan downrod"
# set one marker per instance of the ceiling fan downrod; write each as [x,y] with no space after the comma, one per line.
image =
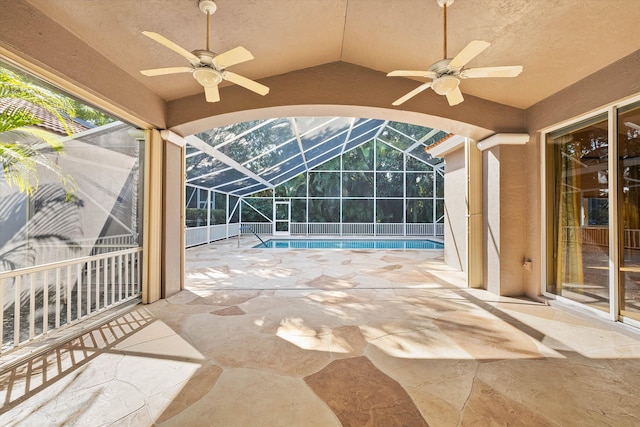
[444,4]
[208,7]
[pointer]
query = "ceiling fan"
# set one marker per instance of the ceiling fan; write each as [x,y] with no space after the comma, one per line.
[446,74]
[208,68]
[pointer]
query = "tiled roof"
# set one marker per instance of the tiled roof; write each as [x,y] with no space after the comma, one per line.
[440,141]
[47,120]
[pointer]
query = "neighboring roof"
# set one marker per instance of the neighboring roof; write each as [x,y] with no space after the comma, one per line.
[249,157]
[47,120]
[438,142]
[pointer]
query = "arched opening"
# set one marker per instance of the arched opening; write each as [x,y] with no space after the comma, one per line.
[228,183]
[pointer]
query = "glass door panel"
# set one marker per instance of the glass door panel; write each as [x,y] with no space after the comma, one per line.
[579,219]
[629,207]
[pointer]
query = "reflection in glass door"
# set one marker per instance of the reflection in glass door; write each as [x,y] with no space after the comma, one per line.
[629,209]
[282,218]
[579,212]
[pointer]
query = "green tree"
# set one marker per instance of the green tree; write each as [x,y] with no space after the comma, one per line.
[90,114]
[24,146]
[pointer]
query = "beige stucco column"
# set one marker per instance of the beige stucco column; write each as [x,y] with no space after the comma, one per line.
[463,206]
[475,265]
[163,263]
[504,212]
[173,223]
[152,238]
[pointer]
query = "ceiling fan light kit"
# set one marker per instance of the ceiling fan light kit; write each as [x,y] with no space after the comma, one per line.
[447,73]
[207,77]
[445,84]
[207,67]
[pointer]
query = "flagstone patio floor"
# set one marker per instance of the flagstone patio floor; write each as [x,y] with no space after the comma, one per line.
[270,337]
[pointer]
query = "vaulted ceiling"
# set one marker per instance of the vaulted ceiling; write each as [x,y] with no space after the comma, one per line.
[559,42]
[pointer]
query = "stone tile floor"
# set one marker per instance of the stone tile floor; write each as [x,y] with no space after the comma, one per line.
[330,338]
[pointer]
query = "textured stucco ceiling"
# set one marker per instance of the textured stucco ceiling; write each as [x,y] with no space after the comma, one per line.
[558,42]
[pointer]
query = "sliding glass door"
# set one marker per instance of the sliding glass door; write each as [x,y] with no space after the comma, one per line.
[593,211]
[629,209]
[579,201]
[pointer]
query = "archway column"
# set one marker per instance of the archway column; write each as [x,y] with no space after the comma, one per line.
[504,212]
[152,224]
[173,210]
[485,199]
[163,264]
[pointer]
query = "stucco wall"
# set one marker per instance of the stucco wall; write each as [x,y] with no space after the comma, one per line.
[455,207]
[614,83]
[491,218]
[513,195]
[504,221]
[55,50]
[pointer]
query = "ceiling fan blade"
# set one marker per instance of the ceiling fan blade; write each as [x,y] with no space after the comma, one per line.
[164,71]
[212,94]
[233,57]
[171,45]
[411,94]
[472,50]
[413,73]
[245,83]
[508,71]
[454,97]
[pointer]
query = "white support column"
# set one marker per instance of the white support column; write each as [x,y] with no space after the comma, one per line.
[404,192]
[209,193]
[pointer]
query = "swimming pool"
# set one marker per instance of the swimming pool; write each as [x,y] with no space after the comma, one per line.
[351,244]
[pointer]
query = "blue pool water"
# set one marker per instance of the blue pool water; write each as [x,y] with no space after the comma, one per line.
[350,244]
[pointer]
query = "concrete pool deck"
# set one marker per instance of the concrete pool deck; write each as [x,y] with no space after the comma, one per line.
[329,338]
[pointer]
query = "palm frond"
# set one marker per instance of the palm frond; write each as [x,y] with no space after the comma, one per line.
[15,118]
[23,146]
[13,86]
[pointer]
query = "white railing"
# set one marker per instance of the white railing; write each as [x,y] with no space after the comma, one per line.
[365,229]
[40,299]
[632,239]
[599,236]
[115,243]
[49,252]
[390,229]
[200,235]
[299,228]
[424,230]
[233,229]
[258,227]
[196,236]
[323,229]
[355,229]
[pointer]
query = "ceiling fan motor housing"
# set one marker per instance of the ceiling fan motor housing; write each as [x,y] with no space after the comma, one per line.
[441,68]
[205,57]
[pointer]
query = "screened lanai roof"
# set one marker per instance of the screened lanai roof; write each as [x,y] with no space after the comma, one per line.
[248,157]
